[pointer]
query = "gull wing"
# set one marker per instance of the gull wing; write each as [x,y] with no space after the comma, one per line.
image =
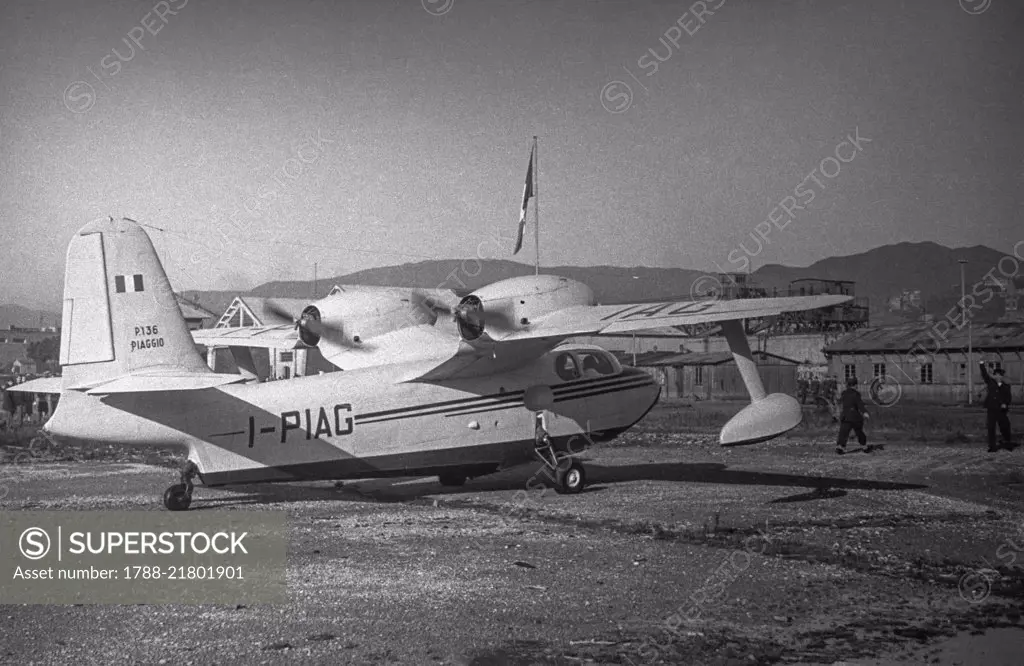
[504,350]
[597,319]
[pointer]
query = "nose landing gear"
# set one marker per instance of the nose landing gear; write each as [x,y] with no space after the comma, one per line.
[179,496]
[569,476]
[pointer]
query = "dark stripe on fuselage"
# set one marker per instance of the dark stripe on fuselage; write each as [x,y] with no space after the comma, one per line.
[460,401]
[494,398]
[602,390]
[444,410]
[592,388]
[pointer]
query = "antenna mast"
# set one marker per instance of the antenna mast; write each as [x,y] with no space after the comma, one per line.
[536,209]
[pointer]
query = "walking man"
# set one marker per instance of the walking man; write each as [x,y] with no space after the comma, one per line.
[852,414]
[997,407]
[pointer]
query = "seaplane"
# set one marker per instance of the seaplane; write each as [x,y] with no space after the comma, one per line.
[429,383]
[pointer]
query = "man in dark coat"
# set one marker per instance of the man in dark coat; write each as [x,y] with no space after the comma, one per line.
[7,407]
[997,407]
[851,417]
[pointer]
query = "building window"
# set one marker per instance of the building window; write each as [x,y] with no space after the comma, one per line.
[926,373]
[849,371]
[119,284]
[992,365]
[698,375]
[137,279]
[878,370]
[962,372]
[286,357]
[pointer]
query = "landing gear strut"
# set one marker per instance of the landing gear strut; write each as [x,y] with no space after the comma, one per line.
[570,478]
[179,496]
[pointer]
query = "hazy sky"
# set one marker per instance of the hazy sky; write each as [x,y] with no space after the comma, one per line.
[266,136]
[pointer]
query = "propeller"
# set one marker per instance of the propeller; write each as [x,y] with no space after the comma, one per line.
[469,311]
[312,330]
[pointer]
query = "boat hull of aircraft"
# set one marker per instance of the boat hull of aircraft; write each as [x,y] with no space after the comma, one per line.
[360,424]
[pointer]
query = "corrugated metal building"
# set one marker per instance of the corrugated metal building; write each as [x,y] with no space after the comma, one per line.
[930,361]
[714,375]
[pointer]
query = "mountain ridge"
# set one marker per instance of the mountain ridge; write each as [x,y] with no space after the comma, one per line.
[925,273]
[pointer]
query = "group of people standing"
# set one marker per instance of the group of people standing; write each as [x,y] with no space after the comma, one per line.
[17,408]
[820,391]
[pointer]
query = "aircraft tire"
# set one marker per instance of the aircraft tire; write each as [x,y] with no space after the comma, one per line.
[572,479]
[452,479]
[177,498]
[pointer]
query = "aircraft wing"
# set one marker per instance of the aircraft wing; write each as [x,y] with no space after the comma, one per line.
[281,336]
[507,350]
[625,318]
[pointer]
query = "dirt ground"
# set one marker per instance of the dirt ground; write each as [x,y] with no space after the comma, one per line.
[679,551]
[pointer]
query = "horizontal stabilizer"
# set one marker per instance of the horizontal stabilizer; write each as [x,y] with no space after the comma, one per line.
[41,385]
[150,383]
[282,336]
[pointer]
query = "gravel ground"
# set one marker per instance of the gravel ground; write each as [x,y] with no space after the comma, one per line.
[679,552]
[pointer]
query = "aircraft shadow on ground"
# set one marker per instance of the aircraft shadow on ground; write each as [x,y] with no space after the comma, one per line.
[598,476]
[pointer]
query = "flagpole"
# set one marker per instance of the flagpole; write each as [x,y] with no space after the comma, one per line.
[536,208]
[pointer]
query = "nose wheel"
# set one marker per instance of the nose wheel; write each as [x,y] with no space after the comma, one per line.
[569,476]
[571,479]
[179,496]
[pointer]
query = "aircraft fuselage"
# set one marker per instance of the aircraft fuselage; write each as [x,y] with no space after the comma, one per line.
[362,423]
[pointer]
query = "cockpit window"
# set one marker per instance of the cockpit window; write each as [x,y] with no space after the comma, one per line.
[565,366]
[595,363]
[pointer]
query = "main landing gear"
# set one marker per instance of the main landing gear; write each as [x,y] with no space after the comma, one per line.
[570,478]
[179,496]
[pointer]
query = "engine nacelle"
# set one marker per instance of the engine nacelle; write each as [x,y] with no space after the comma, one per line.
[514,304]
[354,315]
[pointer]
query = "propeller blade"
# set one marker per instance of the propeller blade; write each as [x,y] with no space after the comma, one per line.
[317,328]
[498,320]
[278,311]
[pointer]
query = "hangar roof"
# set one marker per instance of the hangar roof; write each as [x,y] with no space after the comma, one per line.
[905,337]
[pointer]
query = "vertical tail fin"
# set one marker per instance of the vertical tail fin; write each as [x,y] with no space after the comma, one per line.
[120,315]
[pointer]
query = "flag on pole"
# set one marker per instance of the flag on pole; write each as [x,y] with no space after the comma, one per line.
[527,193]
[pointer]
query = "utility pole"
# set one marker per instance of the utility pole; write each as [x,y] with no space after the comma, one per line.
[970,355]
[314,281]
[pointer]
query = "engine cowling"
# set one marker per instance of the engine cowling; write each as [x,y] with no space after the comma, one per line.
[353,316]
[514,304]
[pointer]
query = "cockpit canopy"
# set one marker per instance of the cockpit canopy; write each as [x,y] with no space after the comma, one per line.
[589,363]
